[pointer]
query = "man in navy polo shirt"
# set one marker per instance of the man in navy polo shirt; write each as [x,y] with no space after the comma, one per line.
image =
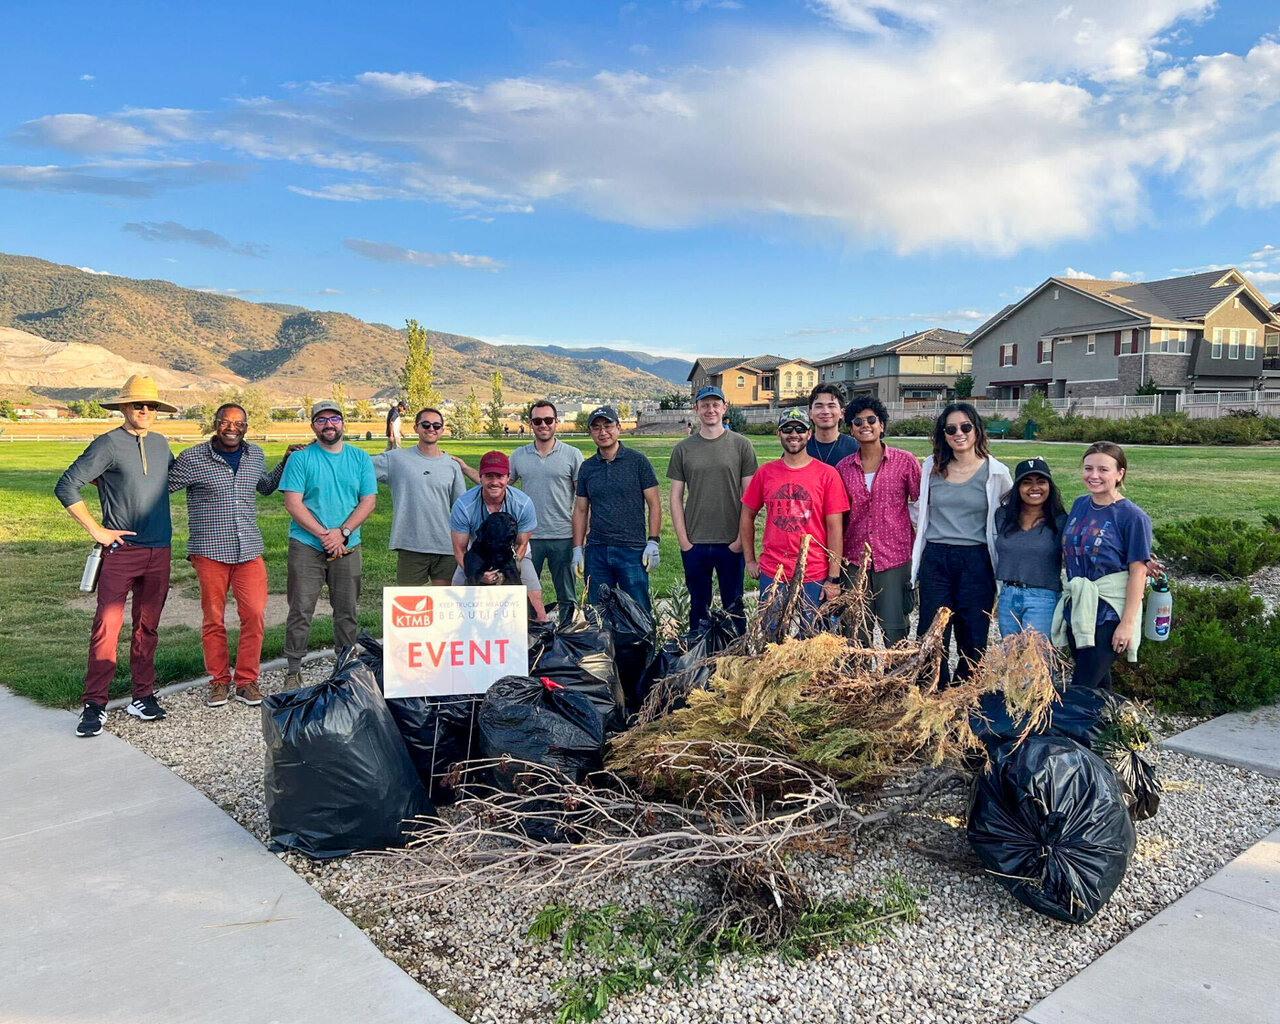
[616,486]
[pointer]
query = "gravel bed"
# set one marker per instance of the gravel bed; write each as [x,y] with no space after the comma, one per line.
[975,956]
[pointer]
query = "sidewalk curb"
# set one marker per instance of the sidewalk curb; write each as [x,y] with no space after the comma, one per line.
[191,684]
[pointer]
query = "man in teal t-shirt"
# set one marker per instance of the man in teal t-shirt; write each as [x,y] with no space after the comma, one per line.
[329,489]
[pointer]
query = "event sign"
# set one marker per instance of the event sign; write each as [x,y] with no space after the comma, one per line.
[438,641]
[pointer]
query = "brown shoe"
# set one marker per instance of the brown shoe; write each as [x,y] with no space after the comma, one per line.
[293,681]
[218,693]
[250,695]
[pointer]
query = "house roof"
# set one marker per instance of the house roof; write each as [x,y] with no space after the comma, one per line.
[760,364]
[933,341]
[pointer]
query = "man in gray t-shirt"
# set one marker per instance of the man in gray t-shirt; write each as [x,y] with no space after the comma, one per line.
[547,471]
[424,483]
[708,471]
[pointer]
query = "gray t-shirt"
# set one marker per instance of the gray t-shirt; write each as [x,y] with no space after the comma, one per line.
[551,480]
[712,472]
[132,474]
[423,490]
[1032,557]
[958,512]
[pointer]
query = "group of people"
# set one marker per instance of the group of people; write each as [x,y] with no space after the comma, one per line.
[958,527]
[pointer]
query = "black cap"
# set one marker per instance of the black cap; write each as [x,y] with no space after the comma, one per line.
[604,412]
[1027,467]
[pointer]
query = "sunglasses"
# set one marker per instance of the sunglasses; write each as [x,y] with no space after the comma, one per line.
[964,428]
[148,406]
[542,421]
[324,421]
[793,428]
[233,424]
[431,425]
[870,421]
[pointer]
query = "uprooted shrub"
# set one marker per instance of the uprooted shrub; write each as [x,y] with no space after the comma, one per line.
[1223,654]
[1217,546]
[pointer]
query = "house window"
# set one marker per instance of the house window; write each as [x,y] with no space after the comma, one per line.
[788,381]
[1250,344]
[1055,295]
[1216,351]
[1183,342]
[1006,355]
[871,366]
[1091,345]
[810,378]
[939,364]
[742,381]
[1159,340]
[1046,351]
[1233,345]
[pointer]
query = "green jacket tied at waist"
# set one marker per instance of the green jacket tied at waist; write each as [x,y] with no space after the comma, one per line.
[1082,596]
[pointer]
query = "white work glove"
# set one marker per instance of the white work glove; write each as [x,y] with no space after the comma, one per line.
[651,558]
[578,561]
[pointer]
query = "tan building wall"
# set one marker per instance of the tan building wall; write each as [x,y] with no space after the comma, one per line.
[795,380]
[741,387]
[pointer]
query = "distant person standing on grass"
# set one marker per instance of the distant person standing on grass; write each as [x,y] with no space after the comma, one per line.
[547,471]
[224,546]
[329,489]
[709,471]
[615,488]
[130,466]
[395,424]
[424,483]
[826,404]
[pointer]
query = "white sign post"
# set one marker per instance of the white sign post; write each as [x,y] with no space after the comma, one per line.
[438,641]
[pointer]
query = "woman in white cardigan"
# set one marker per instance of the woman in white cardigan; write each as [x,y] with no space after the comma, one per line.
[954,555]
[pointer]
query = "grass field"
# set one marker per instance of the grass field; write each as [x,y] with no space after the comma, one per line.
[43,639]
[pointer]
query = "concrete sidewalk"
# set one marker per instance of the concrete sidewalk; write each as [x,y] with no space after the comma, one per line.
[125,895]
[1212,955]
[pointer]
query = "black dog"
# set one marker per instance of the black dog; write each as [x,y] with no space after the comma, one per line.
[493,549]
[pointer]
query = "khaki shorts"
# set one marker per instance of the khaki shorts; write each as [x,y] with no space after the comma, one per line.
[422,568]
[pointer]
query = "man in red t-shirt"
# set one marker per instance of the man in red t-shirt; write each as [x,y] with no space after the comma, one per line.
[800,495]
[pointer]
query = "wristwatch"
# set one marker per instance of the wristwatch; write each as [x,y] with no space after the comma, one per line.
[833,579]
[346,534]
[655,539]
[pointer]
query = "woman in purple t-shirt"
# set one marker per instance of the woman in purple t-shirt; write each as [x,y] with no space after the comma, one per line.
[1107,542]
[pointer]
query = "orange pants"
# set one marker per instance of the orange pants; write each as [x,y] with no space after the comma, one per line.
[248,582]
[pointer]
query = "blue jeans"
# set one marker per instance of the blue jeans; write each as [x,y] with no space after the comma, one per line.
[1023,608]
[809,600]
[610,565]
[700,561]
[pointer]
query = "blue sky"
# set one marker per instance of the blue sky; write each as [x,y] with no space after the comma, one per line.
[687,177]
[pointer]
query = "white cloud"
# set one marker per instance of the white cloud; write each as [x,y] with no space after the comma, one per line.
[87,78]
[405,84]
[1082,274]
[232,291]
[1265,277]
[1123,275]
[171,231]
[386,253]
[100,273]
[127,179]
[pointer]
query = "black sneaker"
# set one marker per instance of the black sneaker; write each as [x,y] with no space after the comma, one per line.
[91,719]
[147,708]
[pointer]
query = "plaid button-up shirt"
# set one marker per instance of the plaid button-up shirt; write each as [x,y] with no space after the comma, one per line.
[222,514]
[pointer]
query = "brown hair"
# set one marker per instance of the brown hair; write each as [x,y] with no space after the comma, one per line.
[942,453]
[1115,451]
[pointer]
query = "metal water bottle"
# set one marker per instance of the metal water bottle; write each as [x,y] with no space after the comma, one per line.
[92,569]
[1159,614]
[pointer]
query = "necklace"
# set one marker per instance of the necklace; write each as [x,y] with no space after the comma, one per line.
[831,446]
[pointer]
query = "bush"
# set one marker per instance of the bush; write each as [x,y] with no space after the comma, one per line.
[1171,428]
[1215,546]
[763,429]
[1223,654]
[1036,408]
[912,426]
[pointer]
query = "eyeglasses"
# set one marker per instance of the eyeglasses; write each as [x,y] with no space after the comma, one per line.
[431,425]
[870,421]
[603,425]
[326,420]
[542,421]
[963,428]
[793,428]
[232,424]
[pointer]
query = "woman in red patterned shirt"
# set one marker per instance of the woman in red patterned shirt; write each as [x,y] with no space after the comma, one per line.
[882,482]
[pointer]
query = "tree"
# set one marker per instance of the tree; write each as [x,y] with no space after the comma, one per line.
[624,410]
[286,414]
[493,424]
[339,394]
[1149,388]
[363,411]
[307,403]
[736,420]
[580,422]
[89,410]
[418,376]
[7,410]
[257,409]
[466,417]
[675,400]
[964,385]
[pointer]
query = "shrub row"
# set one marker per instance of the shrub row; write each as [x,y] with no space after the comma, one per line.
[1215,546]
[1172,428]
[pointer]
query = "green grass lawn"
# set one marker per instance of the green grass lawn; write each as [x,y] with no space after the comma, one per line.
[43,640]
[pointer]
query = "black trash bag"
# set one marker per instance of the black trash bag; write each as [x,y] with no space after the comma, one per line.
[539,720]
[438,732]
[633,634]
[689,657]
[578,654]
[338,778]
[1049,823]
[1081,716]
[1138,778]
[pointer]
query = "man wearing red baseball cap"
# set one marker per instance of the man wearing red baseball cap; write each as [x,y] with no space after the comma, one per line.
[495,494]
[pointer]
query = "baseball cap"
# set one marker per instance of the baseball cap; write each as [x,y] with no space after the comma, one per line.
[604,412]
[1033,465]
[796,415]
[494,462]
[326,406]
[709,391]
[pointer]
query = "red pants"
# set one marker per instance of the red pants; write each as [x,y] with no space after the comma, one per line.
[248,581]
[145,572]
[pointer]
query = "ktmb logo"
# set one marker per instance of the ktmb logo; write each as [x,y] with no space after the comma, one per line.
[408,612]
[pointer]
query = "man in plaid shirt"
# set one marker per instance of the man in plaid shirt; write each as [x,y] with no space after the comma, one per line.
[224,546]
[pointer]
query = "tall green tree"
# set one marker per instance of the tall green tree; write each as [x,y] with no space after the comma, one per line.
[624,410]
[493,424]
[418,375]
[307,403]
[256,408]
[964,385]
[465,421]
[363,411]
[339,394]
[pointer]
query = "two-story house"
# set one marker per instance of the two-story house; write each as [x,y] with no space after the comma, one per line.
[756,380]
[1077,338]
[921,367]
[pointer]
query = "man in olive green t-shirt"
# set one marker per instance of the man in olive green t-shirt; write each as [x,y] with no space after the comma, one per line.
[708,471]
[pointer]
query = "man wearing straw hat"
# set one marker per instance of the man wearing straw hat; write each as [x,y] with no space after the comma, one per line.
[130,466]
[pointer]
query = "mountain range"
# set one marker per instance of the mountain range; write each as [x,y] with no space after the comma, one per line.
[212,341]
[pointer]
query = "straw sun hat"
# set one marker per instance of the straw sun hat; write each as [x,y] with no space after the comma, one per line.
[137,388]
